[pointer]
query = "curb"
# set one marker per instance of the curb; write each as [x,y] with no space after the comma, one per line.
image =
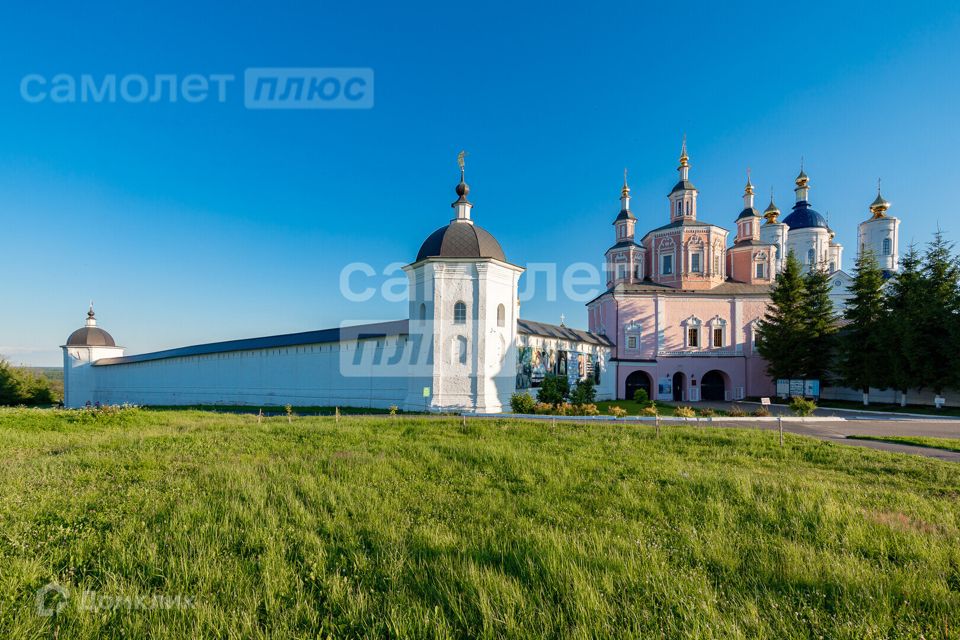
[641,419]
[928,416]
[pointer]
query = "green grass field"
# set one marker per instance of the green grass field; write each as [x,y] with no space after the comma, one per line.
[419,527]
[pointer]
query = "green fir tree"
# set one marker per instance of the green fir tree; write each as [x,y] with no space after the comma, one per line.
[862,348]
[782,332]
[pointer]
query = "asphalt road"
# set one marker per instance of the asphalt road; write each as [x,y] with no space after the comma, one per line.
[841,430]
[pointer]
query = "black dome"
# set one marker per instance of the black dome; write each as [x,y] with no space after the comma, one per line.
[803,217]
[90,337]
[461,240]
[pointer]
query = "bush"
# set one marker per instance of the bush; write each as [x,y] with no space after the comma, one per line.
[762,412]
[522,403]
[685,412]
[617,412]
[543,408]
[736,411]
[553,390]
[583,393]
[706,412]
[801,406]
[650,410]
[589,409]
[641,397]
[20,386]
[564,409]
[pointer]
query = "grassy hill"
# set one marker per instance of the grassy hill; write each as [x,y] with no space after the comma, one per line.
[178,524]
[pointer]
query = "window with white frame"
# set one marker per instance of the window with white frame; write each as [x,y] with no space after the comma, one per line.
[666,264]
[696,262]
[887,246]
[811,256]
[761,270]
[717,337]
[632,332]
[460,313]
[692,326]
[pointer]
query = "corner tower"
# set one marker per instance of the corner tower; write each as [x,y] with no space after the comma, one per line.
[463,312]
[683,197]
[85,346]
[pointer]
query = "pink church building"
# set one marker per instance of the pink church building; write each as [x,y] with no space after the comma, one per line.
[682,303]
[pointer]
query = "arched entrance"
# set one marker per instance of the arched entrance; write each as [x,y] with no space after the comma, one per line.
[637,380]
[713,386]
[679,382]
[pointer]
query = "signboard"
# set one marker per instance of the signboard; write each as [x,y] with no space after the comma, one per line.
[426,392]
[939,401]
[765,402]
[798,387]
[783,387]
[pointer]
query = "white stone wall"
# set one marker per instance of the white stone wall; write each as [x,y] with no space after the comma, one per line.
[800,241]
[303,375]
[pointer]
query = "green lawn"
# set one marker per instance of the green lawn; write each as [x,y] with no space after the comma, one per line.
[419,527]
[950,444]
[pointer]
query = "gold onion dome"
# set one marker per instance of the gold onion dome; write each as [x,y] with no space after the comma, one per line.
[879,206]
[802,179]
[684,158]
[772,212]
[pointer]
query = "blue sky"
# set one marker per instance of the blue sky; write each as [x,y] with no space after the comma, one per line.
[189,223]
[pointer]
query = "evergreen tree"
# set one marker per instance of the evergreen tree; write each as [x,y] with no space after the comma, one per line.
[820,322]
[862,350]
[901,333]
[940,311]
[782,332]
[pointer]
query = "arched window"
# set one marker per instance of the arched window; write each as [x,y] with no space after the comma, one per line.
[461,350]
[679,207]
[460,313]
[887,246]
[423,311]
[811,256]
[501,315]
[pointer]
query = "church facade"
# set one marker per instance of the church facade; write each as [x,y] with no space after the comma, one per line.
[683,300]
[678,319]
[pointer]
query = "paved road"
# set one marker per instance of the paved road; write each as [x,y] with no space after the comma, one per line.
[839,431]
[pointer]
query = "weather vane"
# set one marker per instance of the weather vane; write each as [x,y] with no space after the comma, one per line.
[460,157]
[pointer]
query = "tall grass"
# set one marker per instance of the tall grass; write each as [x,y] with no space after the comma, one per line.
[426,528]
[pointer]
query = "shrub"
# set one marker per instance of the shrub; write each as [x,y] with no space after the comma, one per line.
[564,409]
[20,386]
[553,390]
[522,403]
[543,408]
[583,393]
[706,412]
[736,411]
[589,409]
[762,412]
[394,409]
[641,397]
[685,412]
[650,410]
[801,406]
[617,412]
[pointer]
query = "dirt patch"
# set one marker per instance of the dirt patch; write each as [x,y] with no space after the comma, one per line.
[902,522]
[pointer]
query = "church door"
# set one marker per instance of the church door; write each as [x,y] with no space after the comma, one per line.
[678,379]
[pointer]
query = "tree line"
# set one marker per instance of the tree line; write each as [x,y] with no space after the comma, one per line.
[20,386]
[897,332]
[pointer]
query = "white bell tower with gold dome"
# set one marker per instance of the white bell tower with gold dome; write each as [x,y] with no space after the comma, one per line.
[881,234]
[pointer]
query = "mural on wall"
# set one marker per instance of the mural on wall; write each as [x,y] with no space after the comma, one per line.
[533,365]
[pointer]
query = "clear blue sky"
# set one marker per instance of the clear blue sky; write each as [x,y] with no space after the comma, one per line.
[188,223]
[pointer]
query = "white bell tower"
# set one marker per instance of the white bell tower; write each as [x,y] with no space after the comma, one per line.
[881,234]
